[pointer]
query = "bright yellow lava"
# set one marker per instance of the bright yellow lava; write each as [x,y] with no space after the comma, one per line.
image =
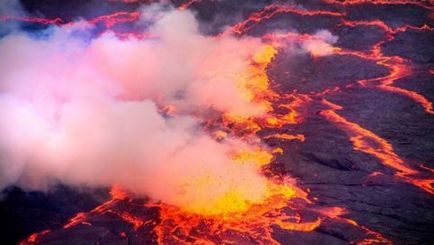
[257,157]
[253,84]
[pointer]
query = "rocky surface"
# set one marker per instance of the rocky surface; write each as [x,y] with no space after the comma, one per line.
[326,163]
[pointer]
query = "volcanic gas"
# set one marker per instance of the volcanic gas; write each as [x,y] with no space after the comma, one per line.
[214,122]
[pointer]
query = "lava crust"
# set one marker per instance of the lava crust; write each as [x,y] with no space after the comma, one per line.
[353,126]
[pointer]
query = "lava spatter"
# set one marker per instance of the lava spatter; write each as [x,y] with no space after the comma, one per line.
[217,220]
[255,224]
[284,203]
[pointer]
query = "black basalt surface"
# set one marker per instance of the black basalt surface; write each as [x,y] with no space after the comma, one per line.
[326,162]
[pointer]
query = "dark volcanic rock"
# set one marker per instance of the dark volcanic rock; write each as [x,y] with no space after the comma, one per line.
[326,163]
[415,45]
[411,131]
[395,15]
[360,38]
[23,213]
[307,74]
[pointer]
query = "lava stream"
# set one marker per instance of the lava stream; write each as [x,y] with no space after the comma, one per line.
[273,10]
[398,67]
[256,220]
[366,141]
[379,2]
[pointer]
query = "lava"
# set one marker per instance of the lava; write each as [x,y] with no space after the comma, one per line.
[299,137]
[254,224]
[188,3]
[273,10]
[113,19]
[37,20]
[33,239]
[375,237]
[424,4]
[398,67]
[108,21]
[231,220]
[370,143]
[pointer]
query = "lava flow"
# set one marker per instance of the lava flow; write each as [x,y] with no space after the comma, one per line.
[368,142]
[215,222]
[218,96]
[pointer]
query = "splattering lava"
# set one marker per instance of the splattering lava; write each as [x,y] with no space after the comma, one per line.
[288,206]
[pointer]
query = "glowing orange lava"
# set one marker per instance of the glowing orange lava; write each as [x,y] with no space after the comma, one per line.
[230,220]
[273,10]
[370,143]
[256,223]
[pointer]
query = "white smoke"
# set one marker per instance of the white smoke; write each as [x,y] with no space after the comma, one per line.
[87,112]
[321,43]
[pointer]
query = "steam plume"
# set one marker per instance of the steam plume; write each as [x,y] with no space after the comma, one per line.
[86,112]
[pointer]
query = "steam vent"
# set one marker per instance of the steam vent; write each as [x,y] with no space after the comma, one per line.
[299,122]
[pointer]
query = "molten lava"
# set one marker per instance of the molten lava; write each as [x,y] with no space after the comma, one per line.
[242,215]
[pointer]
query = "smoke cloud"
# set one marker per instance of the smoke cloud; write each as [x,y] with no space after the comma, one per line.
[321,43]
[87,111]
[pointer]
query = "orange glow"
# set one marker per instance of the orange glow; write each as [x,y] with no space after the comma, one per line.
[77,219]
[254,84]
[277,150]
[187,4]
[45,21]
[34,238]
[354,2]
[240,124]
[299,137]
[273,10]
[370,143]
[264,56]
[254,87]
[216,220]
[117,193]
[336,212]
[136,222]
[257,157]
[397,66]
[255,222]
